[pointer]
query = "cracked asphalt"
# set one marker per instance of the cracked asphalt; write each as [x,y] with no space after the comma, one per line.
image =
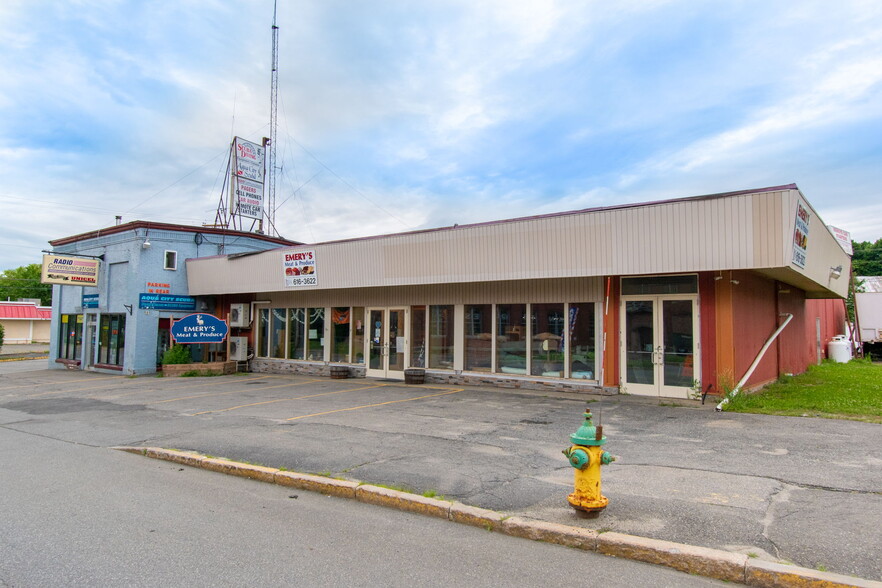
[807,491]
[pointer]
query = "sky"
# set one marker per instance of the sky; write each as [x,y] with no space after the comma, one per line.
[401,115]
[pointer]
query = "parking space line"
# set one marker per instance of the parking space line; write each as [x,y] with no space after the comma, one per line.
[52,383]
[232,392]
[306,416]
[287,399]
[175,389]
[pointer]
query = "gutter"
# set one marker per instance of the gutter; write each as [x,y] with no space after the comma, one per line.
[755,363]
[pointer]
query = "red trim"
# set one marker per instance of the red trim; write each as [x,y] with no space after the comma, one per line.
[107,366]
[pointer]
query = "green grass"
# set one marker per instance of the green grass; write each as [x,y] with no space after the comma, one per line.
[850,390]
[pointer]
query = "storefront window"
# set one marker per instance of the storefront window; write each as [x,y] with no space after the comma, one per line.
[296,331]
[511,338]
[547,345]
[70,342]
[441,337]
[478,337]
[263,332]
[277,333]
[341,321]
[418,336]
[582,340]
[316,334]
[358,334]
[112,339]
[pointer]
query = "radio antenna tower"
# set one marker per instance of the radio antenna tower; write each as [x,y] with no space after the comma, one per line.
[274,123]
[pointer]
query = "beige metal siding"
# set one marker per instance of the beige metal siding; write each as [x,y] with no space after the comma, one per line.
[567,290]
[742,231]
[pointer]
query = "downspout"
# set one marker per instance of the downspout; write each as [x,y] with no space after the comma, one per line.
[755,363]
[605,312]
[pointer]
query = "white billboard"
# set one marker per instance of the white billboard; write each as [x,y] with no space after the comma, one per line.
[248,173]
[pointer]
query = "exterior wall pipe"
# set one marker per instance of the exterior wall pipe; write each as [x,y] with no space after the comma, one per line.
[755,363]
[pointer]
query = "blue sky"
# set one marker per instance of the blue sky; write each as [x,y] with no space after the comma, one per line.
[400,115]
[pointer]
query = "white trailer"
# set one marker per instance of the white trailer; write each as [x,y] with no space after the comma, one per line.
[868,306]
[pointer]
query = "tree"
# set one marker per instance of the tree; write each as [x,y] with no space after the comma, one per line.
[867,258]
[24,282]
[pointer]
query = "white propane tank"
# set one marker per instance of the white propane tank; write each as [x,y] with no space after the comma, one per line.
[839,349]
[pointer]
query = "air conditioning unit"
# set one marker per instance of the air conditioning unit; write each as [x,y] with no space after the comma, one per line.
[238,348]
[240,314]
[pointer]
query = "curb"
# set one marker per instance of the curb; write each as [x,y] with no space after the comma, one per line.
[2,359]
[703,561]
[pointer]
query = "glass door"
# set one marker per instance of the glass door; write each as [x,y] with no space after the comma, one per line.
[387,345]
[660,345]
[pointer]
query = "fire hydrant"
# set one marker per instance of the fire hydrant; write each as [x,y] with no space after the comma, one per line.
[587,456]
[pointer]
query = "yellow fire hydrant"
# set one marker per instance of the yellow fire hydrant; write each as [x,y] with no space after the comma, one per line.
[587,456]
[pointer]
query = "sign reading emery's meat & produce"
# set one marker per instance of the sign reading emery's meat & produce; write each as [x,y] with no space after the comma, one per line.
[199,328]
[300,269]
[70,271]
[800,234]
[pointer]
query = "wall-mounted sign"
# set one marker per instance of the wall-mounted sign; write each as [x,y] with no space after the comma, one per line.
[844,238]
[166,302]
[800,234]
[300,269]
[70,271]
[90,300]
[199,328]
[158,288]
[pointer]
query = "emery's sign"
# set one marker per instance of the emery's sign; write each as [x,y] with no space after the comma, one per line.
[300,269]
[70,271]
[199,328]
[800,235]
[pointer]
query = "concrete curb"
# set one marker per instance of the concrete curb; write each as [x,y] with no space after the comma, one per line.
[703,561]
[2,359]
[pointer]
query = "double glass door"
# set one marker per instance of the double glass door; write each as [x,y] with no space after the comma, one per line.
[660,350]
[386,343]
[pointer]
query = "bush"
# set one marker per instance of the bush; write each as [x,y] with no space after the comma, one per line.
[1,336]
[177,354]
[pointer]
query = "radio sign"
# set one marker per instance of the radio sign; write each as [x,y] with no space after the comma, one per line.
[70,271]
[199,328]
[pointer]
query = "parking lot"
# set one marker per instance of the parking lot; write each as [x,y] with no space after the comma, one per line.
[803,490]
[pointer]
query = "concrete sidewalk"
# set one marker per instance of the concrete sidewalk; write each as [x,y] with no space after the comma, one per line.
[771,489]
[24,351]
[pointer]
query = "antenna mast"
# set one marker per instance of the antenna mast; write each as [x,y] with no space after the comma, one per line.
[274,123]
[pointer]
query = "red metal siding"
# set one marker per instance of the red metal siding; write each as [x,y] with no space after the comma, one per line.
[707,339]
[755,316]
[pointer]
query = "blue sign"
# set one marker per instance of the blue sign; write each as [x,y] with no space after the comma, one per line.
[166,302]
[199,328]
[90,300]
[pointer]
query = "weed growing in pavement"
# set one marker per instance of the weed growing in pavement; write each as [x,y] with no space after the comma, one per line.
[197,374]
[752,554]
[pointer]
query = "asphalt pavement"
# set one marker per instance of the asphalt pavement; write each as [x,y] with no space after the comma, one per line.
[800,490]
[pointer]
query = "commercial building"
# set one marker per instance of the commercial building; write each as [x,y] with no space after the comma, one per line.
[672,298]
[122,325]
[25,322]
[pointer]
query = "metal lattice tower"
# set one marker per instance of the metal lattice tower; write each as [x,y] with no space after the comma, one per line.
[274,123]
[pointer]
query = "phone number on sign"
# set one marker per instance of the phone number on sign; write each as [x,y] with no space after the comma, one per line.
[308,281]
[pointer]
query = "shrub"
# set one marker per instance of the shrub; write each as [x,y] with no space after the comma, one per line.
[177,354]
[1,336]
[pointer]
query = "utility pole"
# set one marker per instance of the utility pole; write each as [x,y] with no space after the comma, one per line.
[274,123]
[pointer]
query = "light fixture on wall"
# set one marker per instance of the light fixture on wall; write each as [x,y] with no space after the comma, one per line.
[146,243]
[835,272]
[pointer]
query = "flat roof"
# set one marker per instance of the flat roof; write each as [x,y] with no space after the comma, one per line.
[150,225]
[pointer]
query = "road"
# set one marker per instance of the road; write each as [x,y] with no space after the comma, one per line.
[802,490]
[77,515]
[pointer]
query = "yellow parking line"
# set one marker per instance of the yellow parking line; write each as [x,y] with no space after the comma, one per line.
[306,416]
[175,389]
[287,399]
[52,383]
[232,392]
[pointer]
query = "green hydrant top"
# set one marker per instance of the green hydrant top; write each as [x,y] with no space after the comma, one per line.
[587,433]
